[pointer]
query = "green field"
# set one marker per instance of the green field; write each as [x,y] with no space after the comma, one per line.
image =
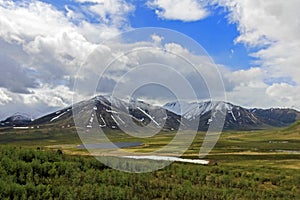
[261,164]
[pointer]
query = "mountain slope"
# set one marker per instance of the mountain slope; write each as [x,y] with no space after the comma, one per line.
[106,112]
[16,120]
[112,113]
[277,117]
[236,117]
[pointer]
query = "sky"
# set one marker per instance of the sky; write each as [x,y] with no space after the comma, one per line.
[254,44]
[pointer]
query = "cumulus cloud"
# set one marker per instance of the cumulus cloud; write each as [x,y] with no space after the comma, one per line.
[48,43]
[4,97]
[13,77]
[54,96]
[252,77]
[271,29]
[38,102]
[184,10]
[128,64]
[42,46]
[282,93]
[112,12]
[249,89]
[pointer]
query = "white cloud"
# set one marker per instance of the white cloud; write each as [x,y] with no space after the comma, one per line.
[282,93]
[157,39]
[40,47]
[49,42]
[58,96]
[184,10]
[112,12]
[4,97]
[147,53]
[96,33]
[40,101]
[176,49]
[21,22]
[270,28]
[252,77]
[273,25]
[250,90]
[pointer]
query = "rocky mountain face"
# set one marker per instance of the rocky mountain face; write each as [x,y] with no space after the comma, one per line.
[16,120]
[111,113]
[236,117]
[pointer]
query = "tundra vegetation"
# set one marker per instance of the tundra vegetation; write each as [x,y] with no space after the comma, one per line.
[46,164]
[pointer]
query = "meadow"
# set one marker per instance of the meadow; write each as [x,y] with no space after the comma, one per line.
[46,164]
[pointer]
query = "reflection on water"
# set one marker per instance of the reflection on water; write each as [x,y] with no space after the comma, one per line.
[288,151]
[171,159]
[109,145]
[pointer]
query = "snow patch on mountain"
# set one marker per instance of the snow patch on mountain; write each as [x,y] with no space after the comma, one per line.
[19,117]
[58,116]
[195,109]
[150,117]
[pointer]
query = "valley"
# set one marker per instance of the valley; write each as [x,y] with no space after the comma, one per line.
[263,164]
[278,147]
[256,157]
[109,112]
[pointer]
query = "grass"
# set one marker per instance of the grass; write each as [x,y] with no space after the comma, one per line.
[39,137]
[250,165]
[262,147]
[27,173]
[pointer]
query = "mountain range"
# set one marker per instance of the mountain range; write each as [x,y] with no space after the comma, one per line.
[112,113]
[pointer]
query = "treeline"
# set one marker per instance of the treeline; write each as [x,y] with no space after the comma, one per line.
[36,174]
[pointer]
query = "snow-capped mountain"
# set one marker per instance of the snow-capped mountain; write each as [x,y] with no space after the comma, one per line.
[108,113]
[16,119]
[237,117]
[112,113]
[193,110]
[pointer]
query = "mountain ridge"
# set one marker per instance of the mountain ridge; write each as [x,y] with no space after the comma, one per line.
[113,113]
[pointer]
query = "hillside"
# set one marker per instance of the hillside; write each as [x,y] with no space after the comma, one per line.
[112,113]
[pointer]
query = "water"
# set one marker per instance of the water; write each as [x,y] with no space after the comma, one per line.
[171,159]
[115,145]
[288,151]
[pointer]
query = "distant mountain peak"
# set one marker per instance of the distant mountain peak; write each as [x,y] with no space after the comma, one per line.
[196,108]
[237,117]
[17,119]
[110,112]
[20,117]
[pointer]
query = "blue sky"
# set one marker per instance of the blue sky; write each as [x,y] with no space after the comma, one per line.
[214,33]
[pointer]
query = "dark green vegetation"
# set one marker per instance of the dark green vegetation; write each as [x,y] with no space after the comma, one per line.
[35,164]
[39,137]
[27,173]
